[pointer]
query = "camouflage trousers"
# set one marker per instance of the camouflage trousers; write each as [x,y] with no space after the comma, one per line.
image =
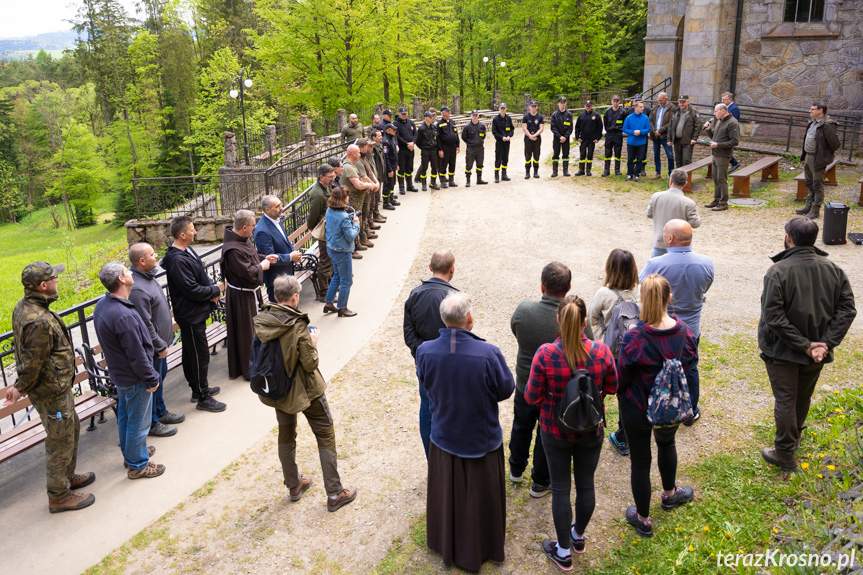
[61,442]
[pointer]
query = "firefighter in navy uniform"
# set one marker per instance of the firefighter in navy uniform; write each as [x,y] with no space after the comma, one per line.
[588,131]
[613,121]
[533,124]
[426,141]
[561,127]
[631,110]
[502,130]
[391,167]
[448,147]
[406,133]
[473,135]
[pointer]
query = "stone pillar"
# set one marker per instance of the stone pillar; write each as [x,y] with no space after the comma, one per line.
[270,139]
[704,46]
[527,100]
[305,124]
[661,42]
[495,99]
[341,119]
[232,152]
[456,104]
[418,109]
[379,107]
[310,145]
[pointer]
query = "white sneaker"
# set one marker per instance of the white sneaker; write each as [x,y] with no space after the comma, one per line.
[515,479]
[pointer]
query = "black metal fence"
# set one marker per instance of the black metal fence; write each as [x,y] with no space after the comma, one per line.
[200,196]
[290,177]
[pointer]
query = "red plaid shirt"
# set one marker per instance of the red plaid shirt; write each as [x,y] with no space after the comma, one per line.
[550,373]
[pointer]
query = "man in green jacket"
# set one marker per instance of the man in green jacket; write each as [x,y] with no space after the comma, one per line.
[724,135]
[819,144]
[46,369]
[807,307]
[318,196]
[283,321]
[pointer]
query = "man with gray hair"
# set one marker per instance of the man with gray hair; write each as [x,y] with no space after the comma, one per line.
[724,135]
[129,353]
[660,118]
[465,379]
[243,269]
[672,204]
[271,237]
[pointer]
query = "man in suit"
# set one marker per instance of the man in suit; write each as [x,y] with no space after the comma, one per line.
[272,238]
[669,205]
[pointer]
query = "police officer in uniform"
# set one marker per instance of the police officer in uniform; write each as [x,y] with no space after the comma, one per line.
[588,131]
[426,141]
[406,133]
[561,127]
[533,124]
[631,110]
[448,147]
[473,135]
[613,120]
[502,130]
[386,118]
[391,159]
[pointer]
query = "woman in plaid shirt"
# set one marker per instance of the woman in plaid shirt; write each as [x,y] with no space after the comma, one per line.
[640,362]
[566,452]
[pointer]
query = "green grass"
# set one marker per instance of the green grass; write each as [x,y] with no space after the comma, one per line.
[83,251]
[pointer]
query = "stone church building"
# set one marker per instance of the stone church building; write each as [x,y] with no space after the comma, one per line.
[771,53]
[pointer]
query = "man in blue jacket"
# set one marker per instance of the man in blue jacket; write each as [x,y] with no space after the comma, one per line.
[636,126]
[129,354]
[271,237]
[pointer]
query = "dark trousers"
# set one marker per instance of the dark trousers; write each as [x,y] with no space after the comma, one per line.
[577,458]
[531,151]
[406,162]
[61,441]
[720,179]
[447,163]
[321,421]
[196,358]
[558,147]
[634,159]
[814,182]
[682,154]
[501,154]
[474,154]
[389,184]
[523,423]
[793,385]
[613,146]
[325,268]
[585,154]
[638,431]
[428,157]
[660,144]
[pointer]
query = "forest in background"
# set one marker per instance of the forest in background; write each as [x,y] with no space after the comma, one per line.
[147,94]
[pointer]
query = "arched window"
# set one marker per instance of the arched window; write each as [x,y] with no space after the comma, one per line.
[804,10]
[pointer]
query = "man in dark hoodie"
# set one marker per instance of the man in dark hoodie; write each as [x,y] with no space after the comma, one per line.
[820,143]
[807,307]
[193,296]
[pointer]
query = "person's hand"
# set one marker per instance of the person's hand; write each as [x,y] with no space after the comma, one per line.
[691,142]
[817,351]
[12,395]
[595,141]
[265,265]
[458,149]
[657,133]
[713,144]
[389,174]
[562,139]
[162,354]
[296,256]
[440,153]
[313,333]
[273,258]
[634,133]
[356,220]
[411,146]
[154,388]
[706,125]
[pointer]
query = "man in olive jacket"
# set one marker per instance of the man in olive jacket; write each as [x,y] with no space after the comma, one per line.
[807,307]
[283,321]
[683,131]
[819,144]
[724,135]
[318,196]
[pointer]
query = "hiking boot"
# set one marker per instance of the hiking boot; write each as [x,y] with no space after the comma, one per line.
[712,204]
[577,543]
[681,495]
[537,490]
[70,502]
[80,480]
[549,547]
[480,181]
[172,418]
[150,471]
[693,419]
[297,492]
[162,430]
[621,446]
[516,478]
[213,391]
[580,172]
[773,458]
[371,236]
[394,201]
[554,170]
[813,214]
[643,528]
[452,183]
[657,177]
[345,312]
[379,219]
[802,211]
[605,174]
[345,497]
[733,168]
[503,176]
[211,405]
[150,451]
[723,207]
[361,247]
[389,206]
[443,184]
[357,256]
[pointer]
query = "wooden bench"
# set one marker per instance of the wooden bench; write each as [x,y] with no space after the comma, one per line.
[769,173]
[307,267]
[829,180]
[689,168]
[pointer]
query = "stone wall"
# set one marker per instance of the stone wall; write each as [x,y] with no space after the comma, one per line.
[158,232]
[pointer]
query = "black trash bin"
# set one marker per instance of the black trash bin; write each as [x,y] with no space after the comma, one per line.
[835,223]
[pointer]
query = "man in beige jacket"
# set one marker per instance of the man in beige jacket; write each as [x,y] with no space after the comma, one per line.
[672,204]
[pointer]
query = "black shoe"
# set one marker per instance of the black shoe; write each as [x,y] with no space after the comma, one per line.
[579,173]
[733,168]
[330,308]
[549,547]
[211,405]
[693,419]
[605,174]
[443,184]
[588,172]
[802,211]
[527,175]
[395,202]
[503,176]
[618,173]
[345,312]
[434,186]
[425,186]
[162,430]
[537,491]
[480,181]
[452,183]
[643,528]
[536,173]
[402,192]
[682,495]
[496,178]
[467,180]
[412,189]
[213,391]
[172,418]
[628,178]
[389,207]
[577,544]
[621,447]
[554,173]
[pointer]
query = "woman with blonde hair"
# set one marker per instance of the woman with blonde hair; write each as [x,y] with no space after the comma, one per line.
[657,337]
[569,453]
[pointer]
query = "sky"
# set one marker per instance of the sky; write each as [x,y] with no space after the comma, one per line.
[32,17]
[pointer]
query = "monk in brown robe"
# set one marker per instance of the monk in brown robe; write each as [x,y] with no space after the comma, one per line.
[243,270]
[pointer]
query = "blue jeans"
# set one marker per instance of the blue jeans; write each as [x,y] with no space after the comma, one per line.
[658,252]
[134,411]
[159,409]
[634,159]
[343,277]
[658,144]
[425,420]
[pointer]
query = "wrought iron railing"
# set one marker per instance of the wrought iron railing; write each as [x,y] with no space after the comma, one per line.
[197,196]
[289,178]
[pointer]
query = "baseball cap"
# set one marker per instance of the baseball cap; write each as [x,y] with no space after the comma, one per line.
[502,105]
[615,97]
[637,97]
[387,112]
[561,99]
[444,108]
[38,272]
[428,114]
[533,103]
[588,103]
[392,127]
[683,98]
[403,110]
[474,113]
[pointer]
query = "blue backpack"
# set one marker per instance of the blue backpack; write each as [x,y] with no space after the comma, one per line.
[668,404]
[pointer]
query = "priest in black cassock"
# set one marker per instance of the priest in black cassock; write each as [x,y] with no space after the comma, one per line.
[243,270]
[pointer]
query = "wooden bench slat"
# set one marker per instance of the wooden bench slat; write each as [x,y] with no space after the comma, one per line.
[697,165]
[769,173]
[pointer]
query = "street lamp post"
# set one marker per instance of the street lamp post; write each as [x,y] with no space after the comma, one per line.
[494,60]
[247,83]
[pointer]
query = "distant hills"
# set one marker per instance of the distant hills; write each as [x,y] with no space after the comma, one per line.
[53,43]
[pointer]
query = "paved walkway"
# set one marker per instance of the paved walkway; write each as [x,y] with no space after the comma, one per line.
[206,443]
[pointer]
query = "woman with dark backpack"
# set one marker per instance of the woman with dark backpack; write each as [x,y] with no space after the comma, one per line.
[621,285]
[656,338]
[554,365]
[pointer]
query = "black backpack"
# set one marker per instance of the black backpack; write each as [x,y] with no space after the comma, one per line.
[580,407]
[624,316]
[267,370]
